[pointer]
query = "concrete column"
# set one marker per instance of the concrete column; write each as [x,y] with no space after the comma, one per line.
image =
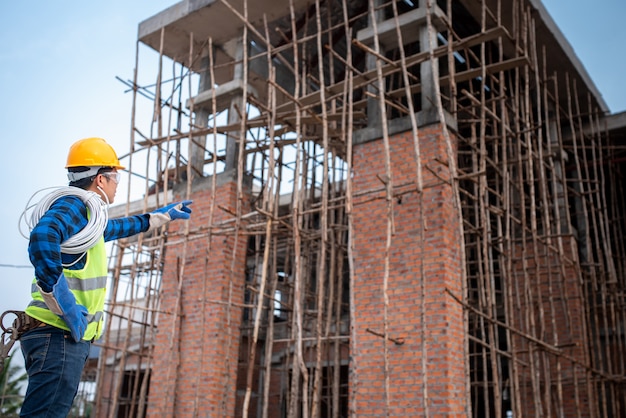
[197,153]
[373,104]
[236,105]
[428,72]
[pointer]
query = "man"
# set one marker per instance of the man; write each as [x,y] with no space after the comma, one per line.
[70,277]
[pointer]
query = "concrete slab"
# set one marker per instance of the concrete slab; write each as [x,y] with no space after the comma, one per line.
[206,19]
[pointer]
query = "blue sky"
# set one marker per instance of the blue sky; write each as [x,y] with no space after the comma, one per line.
[58,63]
[59,60]
[597,32]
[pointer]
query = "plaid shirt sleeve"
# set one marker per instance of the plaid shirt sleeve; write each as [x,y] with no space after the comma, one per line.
[126,227]
[65,217]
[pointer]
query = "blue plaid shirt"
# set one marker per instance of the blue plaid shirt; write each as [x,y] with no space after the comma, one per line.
[65,217]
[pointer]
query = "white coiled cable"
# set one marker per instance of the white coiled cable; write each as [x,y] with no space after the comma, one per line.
[86,237]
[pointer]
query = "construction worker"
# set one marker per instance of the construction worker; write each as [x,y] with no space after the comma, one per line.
[69,287]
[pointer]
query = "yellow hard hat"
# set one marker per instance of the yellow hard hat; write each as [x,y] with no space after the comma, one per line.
[92,152]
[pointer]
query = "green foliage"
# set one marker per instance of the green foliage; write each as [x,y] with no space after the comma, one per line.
[10,383]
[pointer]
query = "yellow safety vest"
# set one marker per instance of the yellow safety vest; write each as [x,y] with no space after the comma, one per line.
[89,288]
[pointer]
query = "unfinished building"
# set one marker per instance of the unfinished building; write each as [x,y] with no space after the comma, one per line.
[401,208]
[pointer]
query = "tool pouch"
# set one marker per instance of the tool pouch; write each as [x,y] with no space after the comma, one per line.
[23,322]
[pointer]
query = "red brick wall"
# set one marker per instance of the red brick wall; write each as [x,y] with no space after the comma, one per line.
[425,251]
[548,290]
[195,360]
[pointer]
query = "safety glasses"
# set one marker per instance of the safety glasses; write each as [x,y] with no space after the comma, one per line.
[115,176]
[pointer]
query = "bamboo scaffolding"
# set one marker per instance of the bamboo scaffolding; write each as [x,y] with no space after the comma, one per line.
[534,177]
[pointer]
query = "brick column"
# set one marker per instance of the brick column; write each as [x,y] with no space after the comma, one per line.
[427,258]
[195,356]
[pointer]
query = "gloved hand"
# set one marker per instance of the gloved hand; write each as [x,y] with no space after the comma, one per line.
[178,210]
[63,303]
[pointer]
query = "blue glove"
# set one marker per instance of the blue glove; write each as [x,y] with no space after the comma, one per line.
[178,210]
[63,303]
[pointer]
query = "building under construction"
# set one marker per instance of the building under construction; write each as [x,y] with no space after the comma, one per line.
[401,208]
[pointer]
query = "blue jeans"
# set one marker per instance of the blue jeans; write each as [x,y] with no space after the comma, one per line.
[54,363]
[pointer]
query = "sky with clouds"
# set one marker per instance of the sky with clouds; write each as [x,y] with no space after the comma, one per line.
[58,66]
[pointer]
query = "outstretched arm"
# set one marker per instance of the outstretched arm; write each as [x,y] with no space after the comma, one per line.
[126,227]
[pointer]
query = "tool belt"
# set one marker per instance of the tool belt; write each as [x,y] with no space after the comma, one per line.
[21,324]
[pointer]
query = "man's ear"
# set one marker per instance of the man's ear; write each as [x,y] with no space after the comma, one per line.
[98,181]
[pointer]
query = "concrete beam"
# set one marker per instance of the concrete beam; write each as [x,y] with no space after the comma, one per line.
[224,94]
[409,23]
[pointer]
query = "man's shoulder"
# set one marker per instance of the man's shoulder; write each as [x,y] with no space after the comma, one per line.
[69,205]
[69,199]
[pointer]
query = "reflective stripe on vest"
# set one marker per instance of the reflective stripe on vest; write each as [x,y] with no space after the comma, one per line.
[89,288]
